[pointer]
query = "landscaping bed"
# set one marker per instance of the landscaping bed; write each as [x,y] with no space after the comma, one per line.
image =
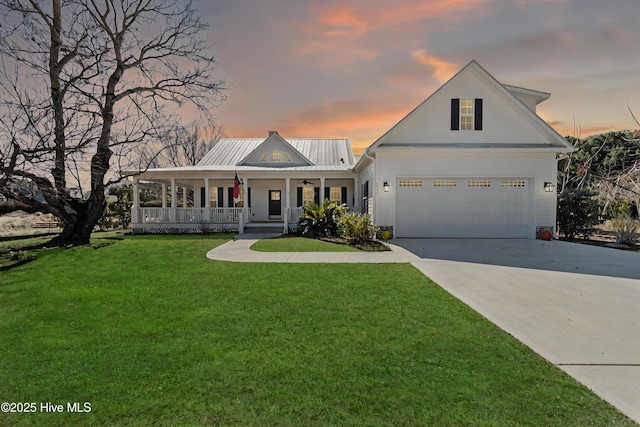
[366,245]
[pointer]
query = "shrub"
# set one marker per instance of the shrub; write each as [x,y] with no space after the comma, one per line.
[357,227]
[116,213]
[625,229]
[320,220]
[578,213]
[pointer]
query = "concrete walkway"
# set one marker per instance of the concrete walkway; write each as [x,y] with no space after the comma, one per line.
[578,306]
[240,251]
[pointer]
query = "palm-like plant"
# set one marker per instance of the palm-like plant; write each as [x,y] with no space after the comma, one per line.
[320,220]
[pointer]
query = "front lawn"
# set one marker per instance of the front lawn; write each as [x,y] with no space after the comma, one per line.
[150,332]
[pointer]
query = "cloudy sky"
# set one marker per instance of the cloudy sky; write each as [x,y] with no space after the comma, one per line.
[353,68]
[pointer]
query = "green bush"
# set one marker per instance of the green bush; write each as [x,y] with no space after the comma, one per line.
[357,227]
[619,208]
[117,213]
[578,213]
[320,220]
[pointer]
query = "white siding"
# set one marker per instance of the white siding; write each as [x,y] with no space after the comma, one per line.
[504,122]
[537,168]
[367,174]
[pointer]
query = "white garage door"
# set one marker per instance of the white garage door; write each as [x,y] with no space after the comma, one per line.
[463,207]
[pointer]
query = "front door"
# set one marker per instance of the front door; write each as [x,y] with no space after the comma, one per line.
[275,204]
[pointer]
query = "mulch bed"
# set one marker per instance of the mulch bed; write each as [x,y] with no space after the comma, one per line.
[368,246]
[603,240]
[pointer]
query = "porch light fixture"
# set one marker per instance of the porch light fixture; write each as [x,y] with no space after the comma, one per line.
[385,187]
[549,187]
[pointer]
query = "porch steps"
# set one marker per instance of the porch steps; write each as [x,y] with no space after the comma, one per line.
[263,230]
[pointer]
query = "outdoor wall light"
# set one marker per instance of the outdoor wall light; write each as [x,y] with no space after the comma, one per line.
[549,187]
[385,187]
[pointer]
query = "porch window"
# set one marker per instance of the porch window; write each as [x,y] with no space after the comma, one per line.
[213,196]
[307,195]
[240,203]
[335,194]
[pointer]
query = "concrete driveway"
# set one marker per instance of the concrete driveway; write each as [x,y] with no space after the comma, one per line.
[576,305]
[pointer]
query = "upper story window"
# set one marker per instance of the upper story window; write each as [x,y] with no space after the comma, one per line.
[275,156]
[466,114]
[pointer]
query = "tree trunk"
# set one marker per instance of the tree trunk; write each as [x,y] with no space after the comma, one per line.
[79,226]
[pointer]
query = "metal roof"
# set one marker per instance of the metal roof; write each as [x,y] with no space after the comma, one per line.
[321,152]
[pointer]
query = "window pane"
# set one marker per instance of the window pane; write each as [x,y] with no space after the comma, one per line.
[466,114]
[307,195]
[213,196]
[335,194]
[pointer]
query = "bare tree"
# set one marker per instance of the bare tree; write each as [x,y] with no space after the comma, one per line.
[184,146]
[83,85]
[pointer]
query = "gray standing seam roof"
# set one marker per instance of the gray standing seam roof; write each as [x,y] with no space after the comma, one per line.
[321,152]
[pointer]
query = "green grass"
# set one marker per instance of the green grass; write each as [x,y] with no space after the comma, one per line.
[150,332]
[300,244]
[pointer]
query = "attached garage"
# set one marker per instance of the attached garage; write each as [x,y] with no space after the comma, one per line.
[464,207]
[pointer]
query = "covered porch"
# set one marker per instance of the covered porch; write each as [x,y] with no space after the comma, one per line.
[193,203]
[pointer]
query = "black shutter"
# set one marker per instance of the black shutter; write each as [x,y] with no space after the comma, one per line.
[249,191]
[220,197]
[316,195]
[298,196]
[478,114]
[230,195]
[343,195]
[203,195]
[327,192]
[455,114]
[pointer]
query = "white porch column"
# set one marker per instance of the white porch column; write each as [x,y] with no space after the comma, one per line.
[164,196]
[174,200]
[184,197]
[136,202]
[321,190]
[245,189]
[287,203]
[207,201]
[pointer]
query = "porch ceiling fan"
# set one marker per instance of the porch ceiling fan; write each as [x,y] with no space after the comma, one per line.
[305,182]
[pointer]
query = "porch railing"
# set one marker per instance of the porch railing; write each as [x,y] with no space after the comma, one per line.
[154,215]
[189,215]
[225,215]
[294,214]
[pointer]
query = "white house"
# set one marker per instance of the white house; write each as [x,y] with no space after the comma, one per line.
[473,160]
[278,177]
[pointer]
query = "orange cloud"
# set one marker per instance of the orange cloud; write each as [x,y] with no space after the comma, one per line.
[337,23]
[441,69]
[345,32]
[362,121]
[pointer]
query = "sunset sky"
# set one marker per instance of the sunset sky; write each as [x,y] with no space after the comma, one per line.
[354,68]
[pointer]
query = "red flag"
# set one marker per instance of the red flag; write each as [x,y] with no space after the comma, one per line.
[236,190]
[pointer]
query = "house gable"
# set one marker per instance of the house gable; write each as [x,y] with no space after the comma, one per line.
[495,118]
[275,151]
